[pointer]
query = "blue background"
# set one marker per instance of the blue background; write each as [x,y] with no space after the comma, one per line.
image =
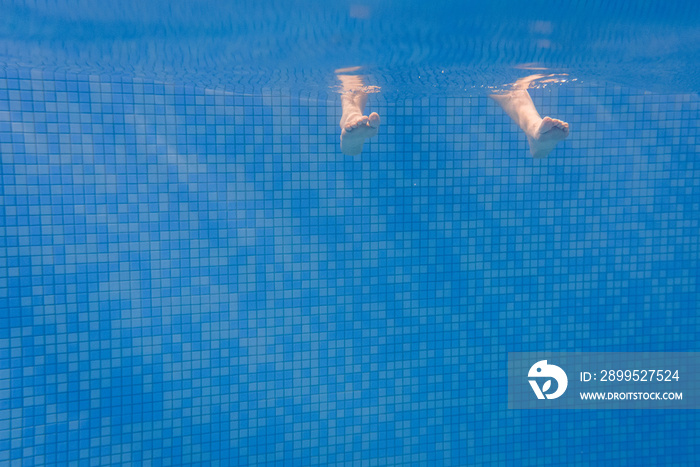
[191,273]
[191,276]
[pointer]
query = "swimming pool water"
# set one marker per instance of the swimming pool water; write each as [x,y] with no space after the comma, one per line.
[192,273]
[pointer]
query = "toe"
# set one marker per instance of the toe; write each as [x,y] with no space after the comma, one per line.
[547,124]
[374,120]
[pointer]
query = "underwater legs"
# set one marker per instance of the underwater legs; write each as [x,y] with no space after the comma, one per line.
[355,127]
[543,134]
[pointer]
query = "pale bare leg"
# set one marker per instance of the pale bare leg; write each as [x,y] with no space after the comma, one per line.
[543,134]
[355,127]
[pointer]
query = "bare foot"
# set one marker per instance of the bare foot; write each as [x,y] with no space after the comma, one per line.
[545,137]
[542,133]
[355,126]
[356,130]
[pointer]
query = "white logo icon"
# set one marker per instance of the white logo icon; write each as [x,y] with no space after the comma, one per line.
[542,370]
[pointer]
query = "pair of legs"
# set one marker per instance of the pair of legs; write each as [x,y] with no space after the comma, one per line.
[543,134]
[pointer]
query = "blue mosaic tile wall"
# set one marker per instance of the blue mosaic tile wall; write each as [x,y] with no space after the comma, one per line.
[193,276]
